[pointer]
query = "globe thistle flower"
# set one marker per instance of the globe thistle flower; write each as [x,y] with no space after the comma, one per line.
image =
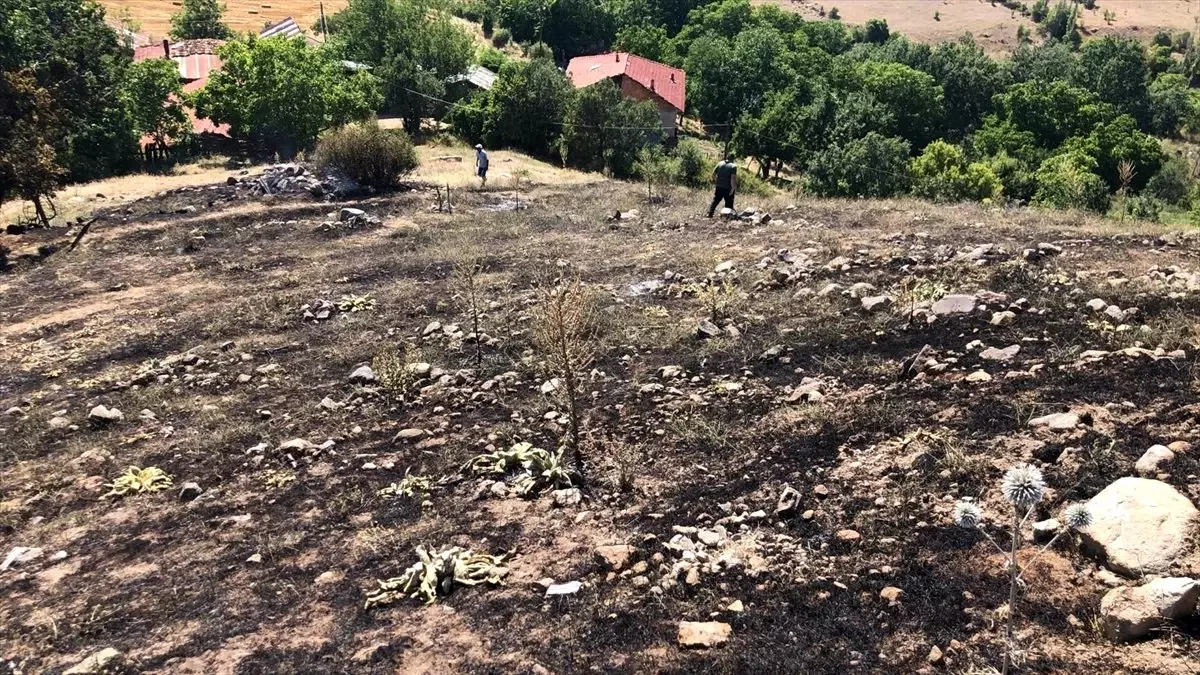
[1023,486]
[1077,516]
[967,515]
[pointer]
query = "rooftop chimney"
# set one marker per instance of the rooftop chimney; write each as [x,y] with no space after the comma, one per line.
[672,77]
[618,55]
[652,84]
[166,49]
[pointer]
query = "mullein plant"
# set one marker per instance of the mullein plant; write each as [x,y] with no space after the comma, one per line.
[1023,488]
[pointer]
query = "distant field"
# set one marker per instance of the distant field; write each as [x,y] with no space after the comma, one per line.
[995,26]
[241,15]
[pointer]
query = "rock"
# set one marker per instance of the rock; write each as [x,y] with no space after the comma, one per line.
[1096,305]
[736,607]
[362,375]
[979,376]
[97,663]
[875,303]
[101,415]
[789,499]
[567,497]
[568,588]
[58,422]
[189,491]
[350,214]
[724,266]
[704,634]
[1002,319]
[707,329]
[1130,613]
[1154,460]
[710,538]
[551,386]
[1140,526]
[954,304]
[1115,313]
[616,556]
[1045,530]
[847,535]
[1006,354]
[1179,447]
[19,555]
[418,369]
[15,412]
[255,559]
[936,657]
[670,372]
[892,594]
[408,435]
[1056,421]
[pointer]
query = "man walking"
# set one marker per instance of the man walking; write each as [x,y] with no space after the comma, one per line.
[481,166]
[725,181]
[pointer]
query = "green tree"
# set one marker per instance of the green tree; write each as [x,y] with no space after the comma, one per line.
[1069,180]
[1173,182]
[871,166]
[828,36]
[78,60]
[604,130]
[1115,68]
[942,174]
[29,126]
[644,40]
[1060,23]
[284,93]
[1116,141]
[969,80]
[876,31]
[411,47]
[1052,111]
[1171,104]
[727,79]
[154,96]
[526,106]
[200,19]
[913,97]
[1047,62]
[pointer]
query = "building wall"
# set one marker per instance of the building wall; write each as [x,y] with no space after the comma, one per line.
[666,113]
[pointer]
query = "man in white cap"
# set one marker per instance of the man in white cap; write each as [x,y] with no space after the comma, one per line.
[481,165]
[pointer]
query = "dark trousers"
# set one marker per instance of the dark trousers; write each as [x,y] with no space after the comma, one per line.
[721,193]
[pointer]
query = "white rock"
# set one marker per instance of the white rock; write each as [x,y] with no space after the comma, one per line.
[1140,526]
[1154,460]
[1056,421]
[1130,613]
[704,633]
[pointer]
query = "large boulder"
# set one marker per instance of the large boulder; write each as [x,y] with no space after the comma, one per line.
[1130,613]
[1141,526]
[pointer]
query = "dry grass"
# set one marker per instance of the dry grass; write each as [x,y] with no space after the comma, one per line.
[240,15]
[455,165]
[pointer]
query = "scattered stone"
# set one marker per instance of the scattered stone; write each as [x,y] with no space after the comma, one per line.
[189,491]
[1140,526]
[1045,530]
[568,588]
[707,329]
[567,497]
[1154,460]
[58,422]
[736,606]
[789,499]
[704,634]
[255,559]
[19,555]
[616,556]
[102,415]
[350,214]
[15,412]
[1096,305]
[1002,319]
[551,386]
[1130,613]
[97,663]
[994,354]
[954,304]
[710,538]
[875,303]
[362,375]
[847,535]
[892,594]
[1056,421]
[936,657]
[979,376]
[410,434]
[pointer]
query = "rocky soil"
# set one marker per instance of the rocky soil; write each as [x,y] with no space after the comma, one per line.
[780,413]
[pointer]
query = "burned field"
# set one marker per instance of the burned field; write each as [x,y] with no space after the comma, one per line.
[776,417]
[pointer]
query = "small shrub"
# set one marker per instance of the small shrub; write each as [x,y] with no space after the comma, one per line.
[501,38]
[1173,181]
[528,470]
[411,486]
[136,481]
[692,166]
[371,155]
[356,303]
[488,25]
[437,572]
[835,15]
[539,50]
[492,59]
[1143,207]
[398,370]
[937,16]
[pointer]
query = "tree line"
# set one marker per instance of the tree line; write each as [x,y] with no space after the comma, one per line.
[846,110]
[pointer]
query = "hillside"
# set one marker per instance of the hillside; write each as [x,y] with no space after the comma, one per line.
[789,471]
[240,15]
[995,26]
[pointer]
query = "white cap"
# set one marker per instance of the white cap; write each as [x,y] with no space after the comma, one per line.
[478,146]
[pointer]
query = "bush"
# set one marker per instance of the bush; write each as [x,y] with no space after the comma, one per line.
[1173,182]
[871,166]
[942,174]
[488,25]
[692,169]
[1143,207]
[492,59]
[469,120]
[1069,181]
[835,15]
[501,38]
[370,155]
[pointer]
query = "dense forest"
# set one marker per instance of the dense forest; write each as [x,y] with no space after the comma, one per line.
[829,108]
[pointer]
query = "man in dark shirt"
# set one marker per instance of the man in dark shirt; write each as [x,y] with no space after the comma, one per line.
[725,180]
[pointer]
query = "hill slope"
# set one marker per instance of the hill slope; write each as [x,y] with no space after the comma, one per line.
[186,311]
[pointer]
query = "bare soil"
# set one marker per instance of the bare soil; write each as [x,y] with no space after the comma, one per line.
[195,317]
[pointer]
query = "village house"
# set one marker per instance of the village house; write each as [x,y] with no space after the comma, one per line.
[639,79]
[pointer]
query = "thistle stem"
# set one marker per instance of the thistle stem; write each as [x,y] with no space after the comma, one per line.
[1012,592]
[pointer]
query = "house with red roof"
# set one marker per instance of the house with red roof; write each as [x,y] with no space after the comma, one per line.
[197,59]
[639,79]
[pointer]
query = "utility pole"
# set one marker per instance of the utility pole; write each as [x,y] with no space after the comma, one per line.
[324,28]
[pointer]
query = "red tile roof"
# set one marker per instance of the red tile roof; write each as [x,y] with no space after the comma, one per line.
[667,83]
[197,60]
